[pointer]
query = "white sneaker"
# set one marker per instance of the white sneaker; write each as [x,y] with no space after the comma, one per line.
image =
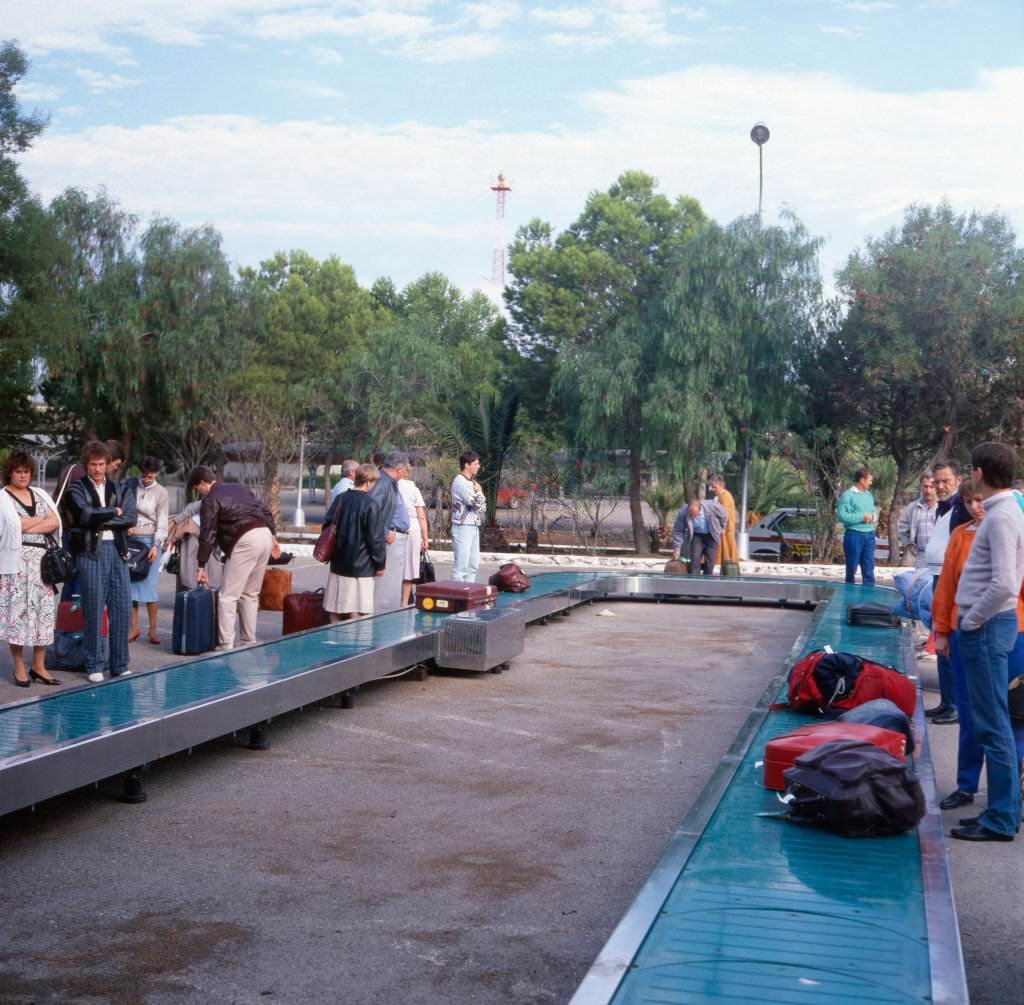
[95,678]
[123,673]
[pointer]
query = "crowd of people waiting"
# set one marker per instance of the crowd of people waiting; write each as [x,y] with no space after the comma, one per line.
[967,535]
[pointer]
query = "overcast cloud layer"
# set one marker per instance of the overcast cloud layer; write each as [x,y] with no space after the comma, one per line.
[333,173]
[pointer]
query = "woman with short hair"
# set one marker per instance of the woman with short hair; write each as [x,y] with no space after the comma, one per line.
[151,504]
[27,606]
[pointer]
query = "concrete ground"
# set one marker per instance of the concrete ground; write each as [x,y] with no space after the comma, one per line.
[470,838]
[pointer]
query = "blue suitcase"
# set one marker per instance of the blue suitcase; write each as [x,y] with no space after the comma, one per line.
[195,622]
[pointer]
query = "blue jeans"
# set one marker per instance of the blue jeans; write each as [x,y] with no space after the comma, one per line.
[969,757]
[859,549]
[466,551]
[985,656]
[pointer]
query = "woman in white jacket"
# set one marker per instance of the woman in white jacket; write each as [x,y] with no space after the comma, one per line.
[27,605]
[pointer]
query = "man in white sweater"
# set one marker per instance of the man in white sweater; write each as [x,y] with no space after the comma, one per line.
[987,602]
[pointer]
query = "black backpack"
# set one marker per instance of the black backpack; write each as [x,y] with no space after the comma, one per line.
[854,789]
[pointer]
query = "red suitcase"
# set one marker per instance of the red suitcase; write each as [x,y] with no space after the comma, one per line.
[302,611]
[71,619]
[781,752]
[450,596]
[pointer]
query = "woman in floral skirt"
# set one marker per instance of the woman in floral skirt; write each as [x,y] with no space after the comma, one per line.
[27,605]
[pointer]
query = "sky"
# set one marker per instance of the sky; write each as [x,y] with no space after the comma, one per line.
[373,129]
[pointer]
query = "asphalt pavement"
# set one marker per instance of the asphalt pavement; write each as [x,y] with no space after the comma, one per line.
[470,838]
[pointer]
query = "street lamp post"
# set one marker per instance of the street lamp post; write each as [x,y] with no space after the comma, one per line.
[760,135]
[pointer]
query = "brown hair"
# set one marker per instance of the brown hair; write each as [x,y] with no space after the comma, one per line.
[94,450]
[366,474]
[18,459]
[967,491]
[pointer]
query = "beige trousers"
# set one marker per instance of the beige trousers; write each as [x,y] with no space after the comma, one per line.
[240,587]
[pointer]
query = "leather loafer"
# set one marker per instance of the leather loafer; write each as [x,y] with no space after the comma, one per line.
[948,718]
[965,821]
[955,800]
[978,832]
[930,713]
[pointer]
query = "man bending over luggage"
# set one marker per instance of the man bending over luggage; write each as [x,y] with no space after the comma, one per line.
[234,520]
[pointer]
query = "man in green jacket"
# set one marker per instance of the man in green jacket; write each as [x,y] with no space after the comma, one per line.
[857,515]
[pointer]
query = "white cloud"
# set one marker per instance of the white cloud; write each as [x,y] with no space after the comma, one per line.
[99,82]
[873,7]
[326,56]
[452,48]
[842,31]
[642,21]
[495,14]
[28,91]
[691,13]
[309,88]
[374,25]
[564,17]
[581,41]
[403,199]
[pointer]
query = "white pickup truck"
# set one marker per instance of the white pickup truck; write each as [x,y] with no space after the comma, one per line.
[787,533]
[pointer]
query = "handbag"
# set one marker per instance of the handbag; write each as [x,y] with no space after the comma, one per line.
[57,564]
[138,560]
[427,574]
[323,550]
[173,563]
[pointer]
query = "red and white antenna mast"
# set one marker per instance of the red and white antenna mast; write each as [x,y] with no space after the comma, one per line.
[502,188]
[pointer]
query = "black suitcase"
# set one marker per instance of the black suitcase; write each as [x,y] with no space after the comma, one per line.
[68,651]
[871,616]
[195,622]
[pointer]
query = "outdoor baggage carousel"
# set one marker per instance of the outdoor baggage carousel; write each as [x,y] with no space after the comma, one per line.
[743,907]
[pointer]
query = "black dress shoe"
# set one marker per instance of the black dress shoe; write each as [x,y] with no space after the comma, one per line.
[948,718]
[978,832]
[966,821]
[52,681]
[21,683]
[955,800]
[930,713]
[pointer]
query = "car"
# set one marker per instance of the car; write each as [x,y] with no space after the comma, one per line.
[787,534]
[509,497]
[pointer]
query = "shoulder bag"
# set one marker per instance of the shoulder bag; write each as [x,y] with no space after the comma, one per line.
[57,564]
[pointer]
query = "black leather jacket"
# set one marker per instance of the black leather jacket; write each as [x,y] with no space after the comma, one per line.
[94,515]
[229,511]
[359,549]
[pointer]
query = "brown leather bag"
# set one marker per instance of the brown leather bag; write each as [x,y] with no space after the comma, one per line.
[673,567]
[303,610]
[277,584]
[323,550]
[510,579]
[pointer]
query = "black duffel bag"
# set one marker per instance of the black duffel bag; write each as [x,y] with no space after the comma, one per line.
[138,559]
[853,789]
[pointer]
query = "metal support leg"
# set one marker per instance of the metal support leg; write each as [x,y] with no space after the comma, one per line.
[132,791]
[347,699]
[258,737]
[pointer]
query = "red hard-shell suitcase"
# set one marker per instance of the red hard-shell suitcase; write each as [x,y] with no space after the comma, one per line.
[70,618]
[450,596]
[302,611]
[781,752]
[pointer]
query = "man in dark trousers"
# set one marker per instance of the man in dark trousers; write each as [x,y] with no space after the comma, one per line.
[699,527]
[393,528]
[103,510]
[233,519]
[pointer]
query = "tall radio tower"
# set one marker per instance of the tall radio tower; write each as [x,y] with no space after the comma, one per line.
[502,188]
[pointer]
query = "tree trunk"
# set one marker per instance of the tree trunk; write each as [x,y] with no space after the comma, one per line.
[636,512]
[894,511]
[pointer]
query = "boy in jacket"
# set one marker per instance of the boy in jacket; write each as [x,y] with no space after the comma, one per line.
[103,511]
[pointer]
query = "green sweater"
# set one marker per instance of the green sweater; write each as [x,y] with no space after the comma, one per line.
[853,504]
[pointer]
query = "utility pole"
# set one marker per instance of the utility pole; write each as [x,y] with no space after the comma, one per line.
[760,135]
